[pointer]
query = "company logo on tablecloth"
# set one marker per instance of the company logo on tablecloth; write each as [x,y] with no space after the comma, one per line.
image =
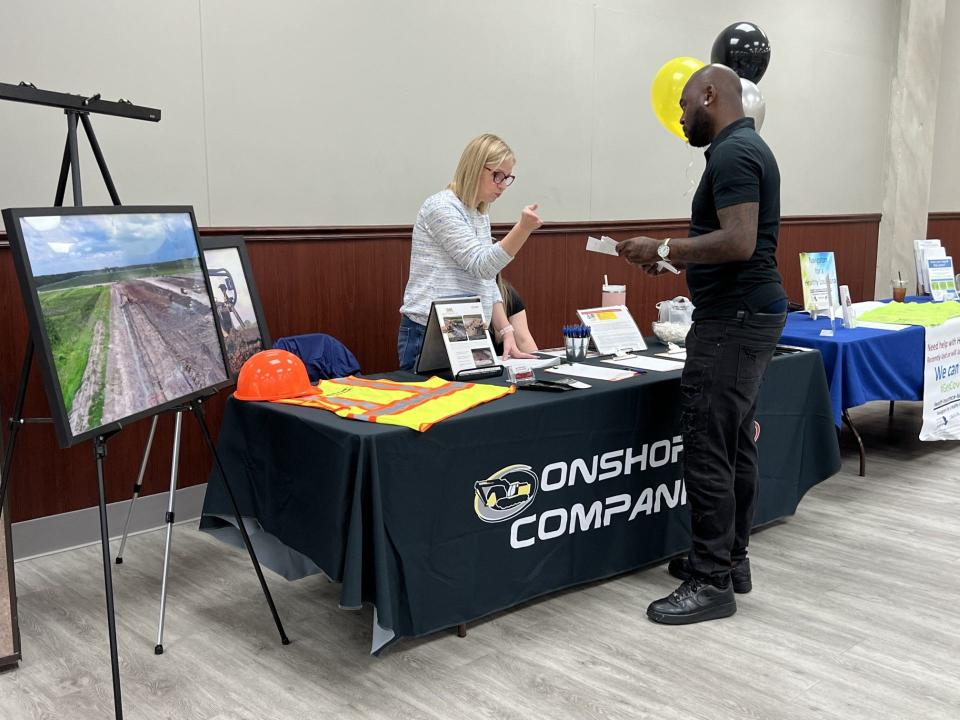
[505,494]
[508,493]
[756,431]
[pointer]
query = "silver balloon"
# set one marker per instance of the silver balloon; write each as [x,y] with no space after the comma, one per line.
[754,105]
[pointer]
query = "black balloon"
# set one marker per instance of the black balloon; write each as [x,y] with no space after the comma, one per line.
[744,48]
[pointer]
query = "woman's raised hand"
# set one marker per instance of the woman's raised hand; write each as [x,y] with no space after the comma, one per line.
[529,220]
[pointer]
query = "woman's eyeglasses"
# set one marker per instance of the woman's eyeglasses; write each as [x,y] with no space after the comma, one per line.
[501,178]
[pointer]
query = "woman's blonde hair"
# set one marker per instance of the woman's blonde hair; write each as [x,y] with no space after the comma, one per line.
[507,292]
[483,150]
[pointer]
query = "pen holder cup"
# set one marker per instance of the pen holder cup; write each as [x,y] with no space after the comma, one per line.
[576,348]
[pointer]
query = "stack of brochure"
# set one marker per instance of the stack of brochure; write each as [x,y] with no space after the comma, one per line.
[934,270]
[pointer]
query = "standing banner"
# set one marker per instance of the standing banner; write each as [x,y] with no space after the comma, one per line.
[941,382]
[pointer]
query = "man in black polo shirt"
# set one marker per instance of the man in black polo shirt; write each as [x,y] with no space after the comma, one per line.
[740,311]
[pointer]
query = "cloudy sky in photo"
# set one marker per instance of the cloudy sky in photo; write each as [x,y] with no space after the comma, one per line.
[72,243]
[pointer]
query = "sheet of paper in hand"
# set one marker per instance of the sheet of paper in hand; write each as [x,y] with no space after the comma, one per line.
[605,245]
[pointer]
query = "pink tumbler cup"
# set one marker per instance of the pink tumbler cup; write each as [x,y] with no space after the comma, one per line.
[613,295]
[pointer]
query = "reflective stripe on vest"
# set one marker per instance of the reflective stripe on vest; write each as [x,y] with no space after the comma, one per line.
[414,405]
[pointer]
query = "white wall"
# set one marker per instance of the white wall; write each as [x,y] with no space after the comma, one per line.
[148,53]
[351,111]
[945,180]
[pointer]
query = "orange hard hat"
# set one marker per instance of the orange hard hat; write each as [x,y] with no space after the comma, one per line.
[273,375]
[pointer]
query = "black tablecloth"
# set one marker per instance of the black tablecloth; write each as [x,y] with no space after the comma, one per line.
[393,514]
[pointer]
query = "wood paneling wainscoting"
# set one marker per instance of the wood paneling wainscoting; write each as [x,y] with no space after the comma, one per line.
[348,282]
[945,226]
[555,276]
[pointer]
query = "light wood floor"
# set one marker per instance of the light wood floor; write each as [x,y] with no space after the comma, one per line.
[855,614]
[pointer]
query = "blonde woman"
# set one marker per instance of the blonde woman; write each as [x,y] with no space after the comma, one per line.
[453,252]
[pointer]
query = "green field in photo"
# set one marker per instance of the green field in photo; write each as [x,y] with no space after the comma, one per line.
[70,316]
[64,281]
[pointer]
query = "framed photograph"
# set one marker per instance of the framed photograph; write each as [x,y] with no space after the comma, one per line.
[238,311]
[120,310]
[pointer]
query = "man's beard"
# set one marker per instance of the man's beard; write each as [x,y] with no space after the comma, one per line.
[698,130]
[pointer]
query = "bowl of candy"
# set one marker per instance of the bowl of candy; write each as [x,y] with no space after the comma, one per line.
[674,323]
[671,332]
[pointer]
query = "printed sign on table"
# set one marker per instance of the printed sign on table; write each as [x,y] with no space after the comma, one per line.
[923,249]
[818,273]
[943,285]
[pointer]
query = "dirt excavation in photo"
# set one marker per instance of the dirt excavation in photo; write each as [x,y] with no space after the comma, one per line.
[163,344]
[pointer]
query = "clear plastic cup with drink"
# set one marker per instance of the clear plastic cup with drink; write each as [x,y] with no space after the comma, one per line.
[899,290]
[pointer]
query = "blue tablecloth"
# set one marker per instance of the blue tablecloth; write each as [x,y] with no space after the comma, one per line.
[862,364]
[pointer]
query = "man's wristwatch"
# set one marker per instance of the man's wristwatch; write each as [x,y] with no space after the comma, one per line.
[663,250]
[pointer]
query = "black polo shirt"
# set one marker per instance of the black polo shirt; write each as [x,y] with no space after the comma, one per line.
[740,169]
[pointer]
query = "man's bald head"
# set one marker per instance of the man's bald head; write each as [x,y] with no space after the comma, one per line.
[725,81]
[710,101]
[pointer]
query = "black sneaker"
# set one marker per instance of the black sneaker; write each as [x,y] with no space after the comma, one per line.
[740,575]
[694,601]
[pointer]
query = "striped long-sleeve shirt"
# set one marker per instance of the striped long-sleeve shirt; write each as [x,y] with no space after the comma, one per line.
[452,254]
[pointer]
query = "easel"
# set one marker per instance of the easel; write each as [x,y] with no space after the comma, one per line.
[170,516]
[77,109]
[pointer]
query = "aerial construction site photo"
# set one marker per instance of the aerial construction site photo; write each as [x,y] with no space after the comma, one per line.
[126,312]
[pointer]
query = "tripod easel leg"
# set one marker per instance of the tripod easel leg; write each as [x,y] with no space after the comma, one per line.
[74,157]
[174,466]
[198,412]
[16,420]
[98,156]
[137,487]
[99,451]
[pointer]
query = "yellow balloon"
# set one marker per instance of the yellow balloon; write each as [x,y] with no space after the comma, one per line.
[666,89]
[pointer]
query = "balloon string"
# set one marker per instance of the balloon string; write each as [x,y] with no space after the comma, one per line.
[692,184]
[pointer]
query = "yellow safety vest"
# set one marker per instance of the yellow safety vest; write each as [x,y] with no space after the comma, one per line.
[416,405]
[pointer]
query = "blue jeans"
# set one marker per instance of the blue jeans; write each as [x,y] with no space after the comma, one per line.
[409,342]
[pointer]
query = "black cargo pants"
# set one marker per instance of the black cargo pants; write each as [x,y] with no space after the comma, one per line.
[726,360]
